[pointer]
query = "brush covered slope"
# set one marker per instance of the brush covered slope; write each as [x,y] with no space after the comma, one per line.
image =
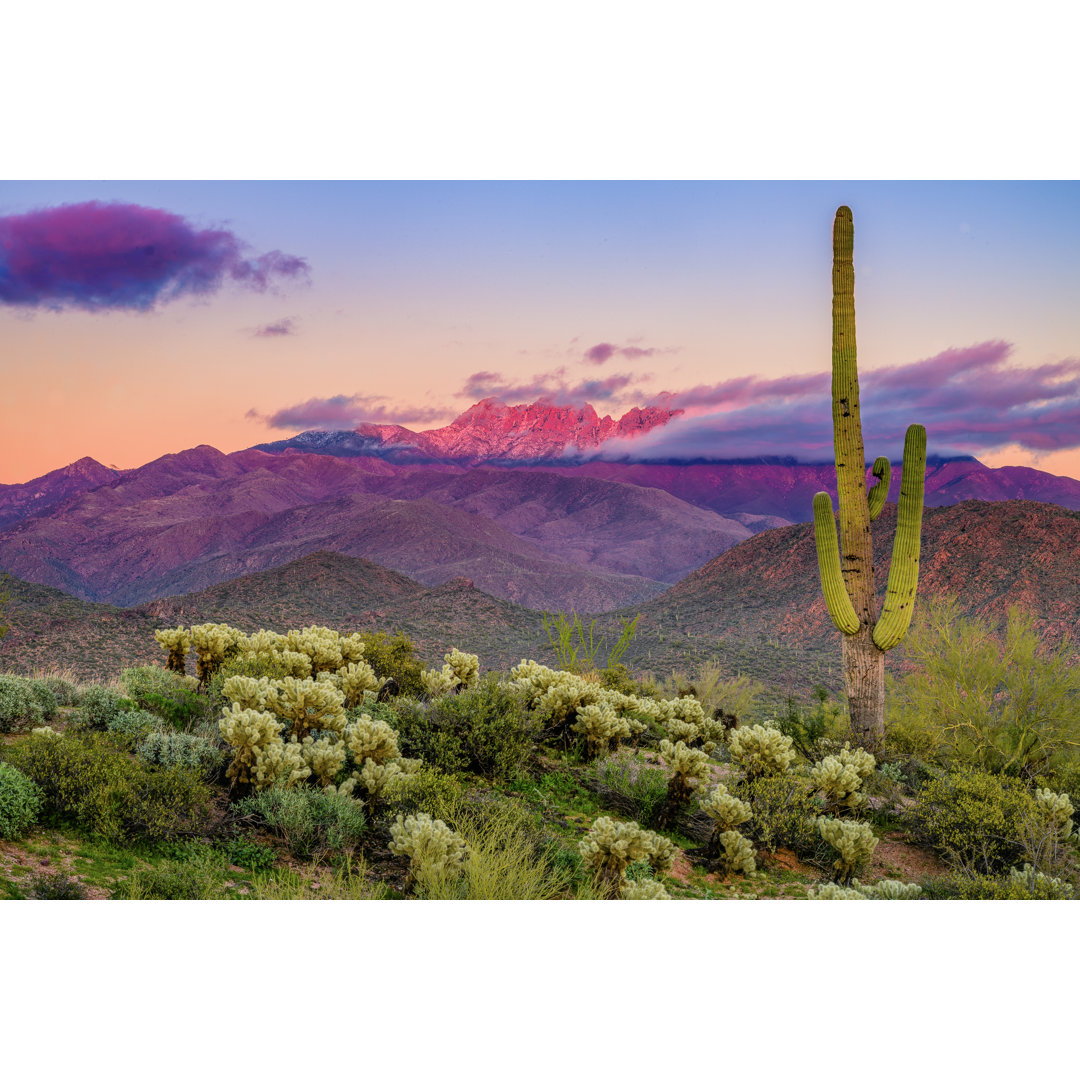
[190,520]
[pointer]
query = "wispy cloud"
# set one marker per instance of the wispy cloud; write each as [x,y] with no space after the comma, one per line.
[96,256]
[281,328]
[553,386]
[344,412]
[967,398]
[605,351]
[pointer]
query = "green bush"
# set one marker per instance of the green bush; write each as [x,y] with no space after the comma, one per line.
[101,707]
[132,727]
[170,696]
[64,690]
[56,886]
[89,779]
[486,730]
[643,788]
[178,748]
[1022,884]
[785,812]
[393,658]
[21,801]
[198,876]
[250,854]
[1000,702]
[979,822]
[311,822]
[20,707]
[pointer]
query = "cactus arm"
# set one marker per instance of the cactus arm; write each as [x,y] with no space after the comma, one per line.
[904,572]
[877,495]
[832,578]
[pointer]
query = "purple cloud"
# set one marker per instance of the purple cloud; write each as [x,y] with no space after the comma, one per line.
[967,398]
[550,386]
[97,256]
[345,412]
[281,328]
[602,353]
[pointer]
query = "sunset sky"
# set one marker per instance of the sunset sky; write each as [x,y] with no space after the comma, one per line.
[232,313]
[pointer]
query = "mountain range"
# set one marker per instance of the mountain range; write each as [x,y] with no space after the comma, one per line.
[756,609]
[492,498]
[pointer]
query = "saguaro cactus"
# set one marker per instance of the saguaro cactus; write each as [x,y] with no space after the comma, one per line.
[848,583]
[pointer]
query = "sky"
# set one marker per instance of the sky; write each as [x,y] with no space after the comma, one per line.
[143,318]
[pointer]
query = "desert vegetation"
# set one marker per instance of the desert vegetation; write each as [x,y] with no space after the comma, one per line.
[308,763]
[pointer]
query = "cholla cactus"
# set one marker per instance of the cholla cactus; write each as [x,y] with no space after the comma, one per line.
[460,672]
[214,643]
[247,692]
[46,730]
[372,740]
[689,768]
[380,781]
[176,643]
[432,847]
[840,777]
[601,727]
[883,890]
[726,810]
[644,890]
[611,846]
[686,722]
[355,679]
[1032,879]
[325,758]
[247,731]
[853,841]
[1056,810]
[761,751]
[736,853]
[437,683]
[307,705]
[279,761]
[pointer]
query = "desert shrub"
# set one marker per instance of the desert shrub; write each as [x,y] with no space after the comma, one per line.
[486,730]
[393,658]
[170,696]
[761,751]
[813,731]
[428,791]
[785,812]
[198,876]
[21,801]
[100,707]
[63,690]
[976,820]
[19,705]
[1002,703]
[134,726]
[178,748]
[643,787]
[90,780]
[508,858]
[312,822]
[853,841]
[1019,884]
[56,885]
[250,854]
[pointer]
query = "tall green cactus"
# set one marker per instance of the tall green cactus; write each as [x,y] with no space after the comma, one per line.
[848,583]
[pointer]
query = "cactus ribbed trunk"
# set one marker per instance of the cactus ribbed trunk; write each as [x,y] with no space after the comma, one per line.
[864,663]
